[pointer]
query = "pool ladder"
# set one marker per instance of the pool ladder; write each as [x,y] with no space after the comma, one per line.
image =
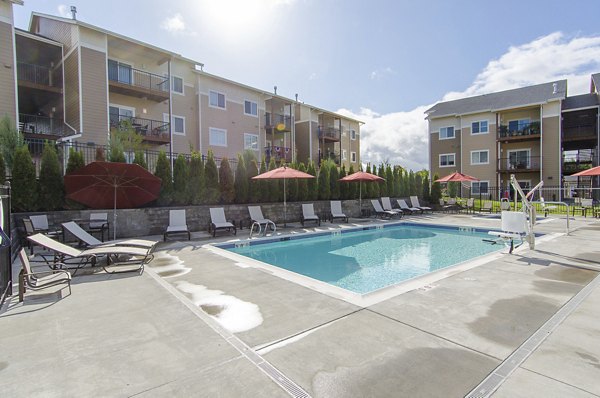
[260,228]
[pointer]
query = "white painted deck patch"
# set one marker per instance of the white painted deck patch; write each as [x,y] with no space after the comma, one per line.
[168,266]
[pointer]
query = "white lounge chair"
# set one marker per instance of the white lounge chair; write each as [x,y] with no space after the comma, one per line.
[40,225]
[99,222]
[414,201]
[92,241]
[406,208]
[40,279]
[514,226]
[336,211]
[256,215]
[387,205]
[545,207]
[64,253]
[218,221]
[380,212]
[308,214]
[486,206]
[177,224]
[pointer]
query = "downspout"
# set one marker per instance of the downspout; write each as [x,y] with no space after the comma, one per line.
[310,149]
[14,66]
[541,143]
[199,93]
[293,138]
[498,144]
[461,150]
[170,117]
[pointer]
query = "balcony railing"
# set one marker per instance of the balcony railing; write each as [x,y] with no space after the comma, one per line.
[335,156]
[130,81]
[278,122]
[38,74]
[523,130]
[278,153]
[330,134]
[519,164]
[41,125]
[151,130]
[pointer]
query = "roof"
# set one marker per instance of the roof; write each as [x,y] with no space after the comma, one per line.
[18,2]
[595,83]
[110,33]
[515,98]
[35,36]
[582,101]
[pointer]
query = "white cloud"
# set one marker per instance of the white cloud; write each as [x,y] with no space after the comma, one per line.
[401,137]
[377,74]
[313,76]
[173,24]
[64,11]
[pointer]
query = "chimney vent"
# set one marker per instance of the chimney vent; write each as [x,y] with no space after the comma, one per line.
[74,12]
[554,88]
[296,97]
[275,89]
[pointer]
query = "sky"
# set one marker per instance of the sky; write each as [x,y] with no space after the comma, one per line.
[383,62]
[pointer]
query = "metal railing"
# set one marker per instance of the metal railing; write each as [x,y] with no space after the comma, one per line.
[335,156]
[278,153]
[276,119]
[517,164]
[39,74]
[329,133]
[137,78]
[525,129]
[146,127]
[34,124]
[5,245]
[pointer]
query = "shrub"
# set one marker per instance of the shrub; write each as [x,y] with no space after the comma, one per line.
[352,187]
[180,180]
[343,186]
[302,185]
[334,182]
[397,181]
[275,193]
[140,160]
[75,161]
[436,191]
[312,185]
[426,194]
[163,171]
[241,181]
[211,178]
[324,182]
[418,184]
[51,186]
[11,139]
[453,189]
[196,180]
[253,185]
[226,182]
[383,191]
[24,183]
[2,170]
[100,155]
[263,184]
[115,149]
[412,185]
[389,176]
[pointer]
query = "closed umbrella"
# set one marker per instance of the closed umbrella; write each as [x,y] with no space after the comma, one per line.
[361,176]
[283,173]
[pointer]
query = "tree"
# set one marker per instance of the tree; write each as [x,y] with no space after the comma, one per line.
[436,191]
[324,181]
[180,180]
[274,189]
[211,178]
[241,181]
[412,186]
[334,176]
[397,181]
[343,185]
[140,160]
[426,194]
[352,187]
[254,185]
[292,186]
[383,191]
[11,139]
[196,180]
[373,187]
[389,176]
[51,187]
[115,148]
[75,161]
[452,189]
[226,183]
[2,170]
[263,185]
[418,183]
[163,171]
[312,186]
[24,183]
[302,185]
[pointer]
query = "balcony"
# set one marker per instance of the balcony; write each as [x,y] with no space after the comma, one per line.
[152,131]
[39,77]
[281,123]
[137,83]
[335,156]
[519,164]
[329,134]
[278,153]
[33,126]
[522,132]
[575,162]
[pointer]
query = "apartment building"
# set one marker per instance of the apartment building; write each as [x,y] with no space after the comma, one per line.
[536,133]
[74,82]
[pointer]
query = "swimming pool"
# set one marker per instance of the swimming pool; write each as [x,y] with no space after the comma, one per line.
[368,259]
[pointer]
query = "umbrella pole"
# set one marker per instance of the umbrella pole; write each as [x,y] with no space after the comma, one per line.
[115,214]
[284,206]
[360,199]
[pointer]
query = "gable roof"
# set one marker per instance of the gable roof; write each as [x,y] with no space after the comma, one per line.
[582,101]
[515,98]
[595,88]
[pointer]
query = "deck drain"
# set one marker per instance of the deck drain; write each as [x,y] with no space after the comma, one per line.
[514,360]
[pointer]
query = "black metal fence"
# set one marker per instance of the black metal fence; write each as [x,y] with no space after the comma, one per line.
[5,244]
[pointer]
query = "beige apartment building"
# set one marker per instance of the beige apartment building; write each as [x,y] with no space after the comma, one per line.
[72,82]
[537,133]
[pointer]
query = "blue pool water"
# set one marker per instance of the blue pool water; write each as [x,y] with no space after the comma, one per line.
[366,260]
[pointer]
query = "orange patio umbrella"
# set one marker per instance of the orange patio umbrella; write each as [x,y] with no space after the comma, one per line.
[594,171]
[361,176]
[457,177]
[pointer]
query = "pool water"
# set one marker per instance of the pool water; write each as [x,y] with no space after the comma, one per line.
[367,260]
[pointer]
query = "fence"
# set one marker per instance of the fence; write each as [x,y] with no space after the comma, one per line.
[5,245]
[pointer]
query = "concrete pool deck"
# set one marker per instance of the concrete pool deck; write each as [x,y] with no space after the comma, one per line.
[129,334]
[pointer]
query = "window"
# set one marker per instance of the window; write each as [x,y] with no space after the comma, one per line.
[517,125]
[352,134]
[217,100]
[353,157]
[177,84]
[480,157]
[251,141]
[344,154]
[519,159]
[447,160]
[250,108]
[217,137]
[178,123]
[480,127]
[118,113]
[479,187]
[119,72]
[446,133]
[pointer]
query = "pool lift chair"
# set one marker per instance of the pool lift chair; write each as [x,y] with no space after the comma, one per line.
[517,225]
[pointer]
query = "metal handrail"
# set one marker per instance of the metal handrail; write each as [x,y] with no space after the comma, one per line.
[252,229]
[546,202]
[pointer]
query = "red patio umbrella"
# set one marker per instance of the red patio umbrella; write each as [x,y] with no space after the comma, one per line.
[283,173]
[361,176]
[457,177]
[594,171]
[102,185]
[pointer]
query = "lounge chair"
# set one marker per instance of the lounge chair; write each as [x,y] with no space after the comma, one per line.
[546,208]
[387,205]
[308,214]
[470,205]
[177,224]
[406,208]
[336,211]
[99,223]
[486,206]
[444,206]
[29,230]
[414,201]
[91,241]
[40,279]
[218,221]
[40,225]
[380,212]
[513,226]
[256,215]
[63,254]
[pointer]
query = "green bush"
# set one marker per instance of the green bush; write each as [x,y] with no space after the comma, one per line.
[436,191]
[253,185]
[389,176]
[180,180]
[343,186]
[453,189]
[397,181]
[196,180]
[163,171]
[2,170]
[352,187]
[275,194]
[115,149]
[292,186]
[241,181]
[51,186]
[140,160]
[312,183]
[383,191]
[426,194]
[211,178]
[24,183]
[334,183]
[324,181]
[11,139]
[372,187]
[264,188]
[303,194]
[412,185]
[226,182]
[75,161]
[418,183]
